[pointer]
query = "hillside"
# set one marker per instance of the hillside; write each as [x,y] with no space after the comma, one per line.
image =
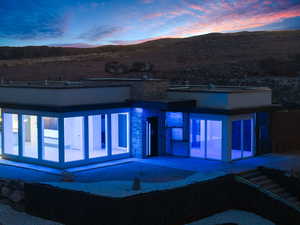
[274,53]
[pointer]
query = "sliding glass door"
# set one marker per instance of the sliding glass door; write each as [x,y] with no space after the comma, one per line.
[197,136]
[242,139]
[206,138]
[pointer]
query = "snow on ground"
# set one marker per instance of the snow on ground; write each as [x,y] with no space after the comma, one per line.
[8,216]
[234,216]
[121,188]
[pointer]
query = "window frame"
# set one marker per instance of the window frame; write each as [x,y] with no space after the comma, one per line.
[60,116]
[106,135]
[211,117]
[23,136]
[59,137]
[19,152]
[112,131]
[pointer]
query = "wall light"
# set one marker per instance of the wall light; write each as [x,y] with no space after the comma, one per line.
[139,110]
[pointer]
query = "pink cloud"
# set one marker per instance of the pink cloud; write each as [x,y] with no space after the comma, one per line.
[224,16]
[196,7]
[132,42]
[147,1]
[235,22]
[267,2]
[169,14]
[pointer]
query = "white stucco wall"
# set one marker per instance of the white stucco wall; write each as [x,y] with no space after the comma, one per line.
[64,97]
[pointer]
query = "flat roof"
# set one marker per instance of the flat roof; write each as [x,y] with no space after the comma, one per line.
[121,79]
[86,83]
[187,106]
[217,89]
[59,84]
[87,107]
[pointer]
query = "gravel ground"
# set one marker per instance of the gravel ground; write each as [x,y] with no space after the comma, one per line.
[234,216]
[8,216]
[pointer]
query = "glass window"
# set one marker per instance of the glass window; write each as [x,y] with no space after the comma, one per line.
[30,139]
[74,142]
[174,119]
[247,138]
[236,140]
[50,146]
[120,133]
[197,137]
[214,139]
[97,136]
[177,134]
[11,133]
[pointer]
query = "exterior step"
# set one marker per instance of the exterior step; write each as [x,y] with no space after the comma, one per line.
[271,186]
[264,182]
[258,178]
[285,195]
[278,190]
[251,174]
[297,203]
[292,199]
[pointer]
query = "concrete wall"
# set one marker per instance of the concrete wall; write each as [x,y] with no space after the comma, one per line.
[204,99]
[246,100]
[197,201]
[222,100]
[64,97]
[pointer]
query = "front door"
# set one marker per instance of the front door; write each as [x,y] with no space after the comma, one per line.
[152,136]
[263,124]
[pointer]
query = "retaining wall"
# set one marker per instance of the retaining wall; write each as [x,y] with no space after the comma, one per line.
[168,207]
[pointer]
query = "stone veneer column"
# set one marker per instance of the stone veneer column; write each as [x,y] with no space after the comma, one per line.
[137,122]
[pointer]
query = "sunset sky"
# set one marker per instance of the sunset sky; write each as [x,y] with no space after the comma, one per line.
[98,22]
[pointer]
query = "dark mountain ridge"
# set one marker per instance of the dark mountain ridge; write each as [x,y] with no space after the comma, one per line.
[217,54]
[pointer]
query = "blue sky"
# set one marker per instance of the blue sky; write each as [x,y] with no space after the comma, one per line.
[99,22]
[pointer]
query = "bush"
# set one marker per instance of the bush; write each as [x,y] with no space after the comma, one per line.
[116,68]
[141,67]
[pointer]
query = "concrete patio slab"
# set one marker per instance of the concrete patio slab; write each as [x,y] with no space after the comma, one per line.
[154,169]
[130,170]
[276,161]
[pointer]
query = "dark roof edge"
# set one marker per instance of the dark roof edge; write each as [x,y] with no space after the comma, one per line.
[177,106]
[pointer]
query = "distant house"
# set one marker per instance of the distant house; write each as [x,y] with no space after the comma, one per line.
[68,124]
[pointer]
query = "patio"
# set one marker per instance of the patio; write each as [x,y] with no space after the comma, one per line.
[154,169]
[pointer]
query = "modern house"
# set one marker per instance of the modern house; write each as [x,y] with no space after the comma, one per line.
[69,124]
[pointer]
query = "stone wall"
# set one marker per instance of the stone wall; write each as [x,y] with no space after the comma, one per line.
[137,121]
[149,89]
[141,88]
[138,130]
[12,193]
